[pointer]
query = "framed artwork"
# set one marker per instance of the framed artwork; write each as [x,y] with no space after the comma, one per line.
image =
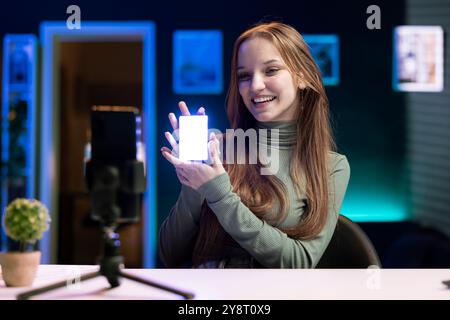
[325,51]
[197,62]
[418,58]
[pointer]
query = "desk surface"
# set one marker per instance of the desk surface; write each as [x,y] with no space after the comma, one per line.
[245,284]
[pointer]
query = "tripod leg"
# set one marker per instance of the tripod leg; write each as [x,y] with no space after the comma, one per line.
[28,294]
[186,295]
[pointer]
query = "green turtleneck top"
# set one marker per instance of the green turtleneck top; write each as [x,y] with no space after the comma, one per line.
[271,247]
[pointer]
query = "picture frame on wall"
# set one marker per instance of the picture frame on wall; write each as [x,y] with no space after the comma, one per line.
[325,51]
[197,62]
[418,58]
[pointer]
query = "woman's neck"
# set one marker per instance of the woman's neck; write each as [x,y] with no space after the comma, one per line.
[287,133]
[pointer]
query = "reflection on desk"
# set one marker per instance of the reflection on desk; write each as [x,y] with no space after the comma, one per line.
[248,284]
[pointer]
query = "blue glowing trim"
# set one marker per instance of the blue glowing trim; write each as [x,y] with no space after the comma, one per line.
[197,62]
[150,133]
[5,132]
[325,51]
[32,165]
[394,61]
[47,155]
[51,33]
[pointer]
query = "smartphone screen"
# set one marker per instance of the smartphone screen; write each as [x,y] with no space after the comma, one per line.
[193,144]
[113,134]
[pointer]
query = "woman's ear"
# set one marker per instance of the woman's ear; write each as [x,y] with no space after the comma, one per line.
[301,84]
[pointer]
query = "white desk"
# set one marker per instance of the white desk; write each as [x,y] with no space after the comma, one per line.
[244,284]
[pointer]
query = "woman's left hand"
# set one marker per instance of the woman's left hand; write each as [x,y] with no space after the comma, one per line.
[195,174]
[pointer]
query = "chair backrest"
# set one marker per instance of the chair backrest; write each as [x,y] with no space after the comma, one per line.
[349,248]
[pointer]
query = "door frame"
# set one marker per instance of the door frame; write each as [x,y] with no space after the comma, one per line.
[52,33]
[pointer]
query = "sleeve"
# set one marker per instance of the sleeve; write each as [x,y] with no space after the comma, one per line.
[267,244]
[178,232]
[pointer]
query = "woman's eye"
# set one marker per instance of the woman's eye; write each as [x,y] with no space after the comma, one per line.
[272,71]
[243,77]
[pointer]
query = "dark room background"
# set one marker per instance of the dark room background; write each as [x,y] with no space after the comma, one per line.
[370,120]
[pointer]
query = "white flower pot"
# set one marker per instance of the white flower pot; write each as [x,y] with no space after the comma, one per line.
[19,268]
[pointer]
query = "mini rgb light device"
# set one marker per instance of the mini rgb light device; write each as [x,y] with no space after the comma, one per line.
[193,133]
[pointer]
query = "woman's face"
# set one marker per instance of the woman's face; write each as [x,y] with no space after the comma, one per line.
[265,83]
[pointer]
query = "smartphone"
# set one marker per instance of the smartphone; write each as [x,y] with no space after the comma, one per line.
[113,144]
[193,134]
[113,133]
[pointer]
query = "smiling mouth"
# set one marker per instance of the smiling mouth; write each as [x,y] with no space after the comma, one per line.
[259,101]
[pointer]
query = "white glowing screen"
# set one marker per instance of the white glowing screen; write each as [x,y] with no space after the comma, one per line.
[193,135]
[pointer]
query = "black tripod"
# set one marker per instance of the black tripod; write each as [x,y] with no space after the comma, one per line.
[104,190]
[110,267]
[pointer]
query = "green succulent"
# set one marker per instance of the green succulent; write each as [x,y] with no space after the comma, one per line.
[26,220]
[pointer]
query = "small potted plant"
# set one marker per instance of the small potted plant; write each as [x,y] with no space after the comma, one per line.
[25,221]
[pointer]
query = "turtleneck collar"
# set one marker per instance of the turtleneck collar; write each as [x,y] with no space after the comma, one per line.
[287,133]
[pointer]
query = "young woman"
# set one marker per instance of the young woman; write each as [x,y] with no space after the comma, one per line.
[229,215]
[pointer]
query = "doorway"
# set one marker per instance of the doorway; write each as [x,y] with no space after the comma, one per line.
[91,73]
[100,64]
